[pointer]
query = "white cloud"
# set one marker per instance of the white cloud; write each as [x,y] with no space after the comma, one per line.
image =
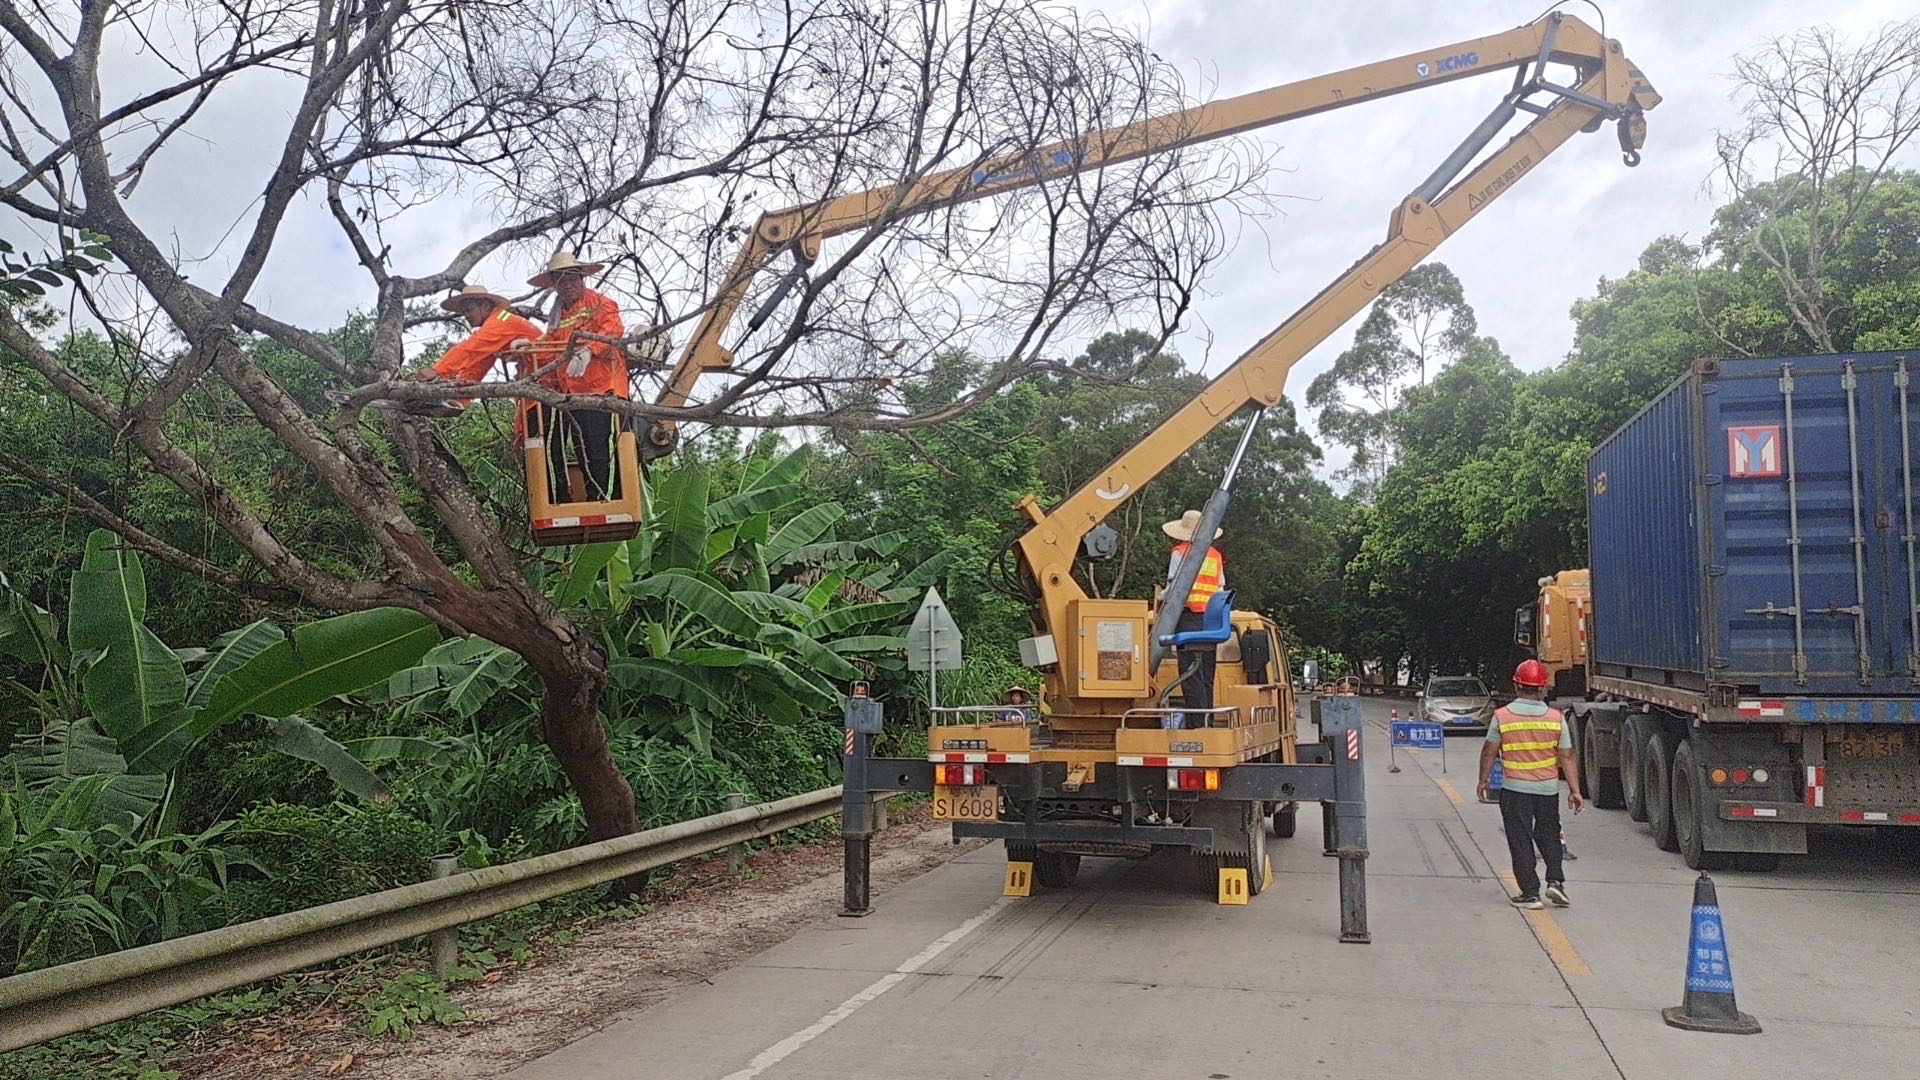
[1579,217]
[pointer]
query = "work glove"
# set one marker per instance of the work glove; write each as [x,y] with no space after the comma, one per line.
[577,363]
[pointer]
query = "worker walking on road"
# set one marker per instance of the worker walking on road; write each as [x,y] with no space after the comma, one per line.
[589,367]
[1535,750]
[1196,689]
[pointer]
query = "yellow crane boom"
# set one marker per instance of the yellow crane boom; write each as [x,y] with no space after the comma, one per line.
[1606,86]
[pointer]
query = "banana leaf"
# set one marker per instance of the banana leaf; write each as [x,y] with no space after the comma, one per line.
[805,527]
[295,737]
[680,518]
[134,680]
[321,660]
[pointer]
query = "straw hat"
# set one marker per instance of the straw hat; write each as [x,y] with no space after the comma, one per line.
[1021,690]
[565,260]
[472,292]
[1182,528]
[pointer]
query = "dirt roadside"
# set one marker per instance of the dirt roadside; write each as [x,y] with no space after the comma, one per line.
[615,968]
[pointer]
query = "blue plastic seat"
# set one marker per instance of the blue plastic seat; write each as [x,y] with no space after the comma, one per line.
[1216,625]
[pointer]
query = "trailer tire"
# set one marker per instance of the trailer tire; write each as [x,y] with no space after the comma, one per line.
[1633,781]
[1056,869]
[1602,784]
[1689,831]
[1286,820]
[1657,776]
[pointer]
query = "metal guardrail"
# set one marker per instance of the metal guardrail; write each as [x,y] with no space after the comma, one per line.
[70,998]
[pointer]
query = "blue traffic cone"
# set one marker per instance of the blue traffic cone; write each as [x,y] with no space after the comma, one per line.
[1707,1003]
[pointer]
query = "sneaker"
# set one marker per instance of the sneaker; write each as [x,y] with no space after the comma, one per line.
[1557,892]
[1567,854]
[1529,901]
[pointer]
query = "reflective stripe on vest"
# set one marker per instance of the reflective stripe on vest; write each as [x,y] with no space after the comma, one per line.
[1529,745]
[1209,582]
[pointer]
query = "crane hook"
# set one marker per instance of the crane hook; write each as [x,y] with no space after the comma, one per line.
[1631,157]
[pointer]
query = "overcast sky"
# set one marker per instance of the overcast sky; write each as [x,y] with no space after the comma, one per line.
[1579,217]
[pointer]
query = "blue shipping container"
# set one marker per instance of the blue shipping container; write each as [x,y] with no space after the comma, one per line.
[1752,532]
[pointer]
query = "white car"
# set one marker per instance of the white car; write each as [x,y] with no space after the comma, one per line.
[1457,702]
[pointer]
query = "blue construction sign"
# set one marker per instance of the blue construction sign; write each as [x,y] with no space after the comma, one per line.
[1418,735]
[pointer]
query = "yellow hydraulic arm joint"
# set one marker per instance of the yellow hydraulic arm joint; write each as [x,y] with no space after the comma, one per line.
[1607,87]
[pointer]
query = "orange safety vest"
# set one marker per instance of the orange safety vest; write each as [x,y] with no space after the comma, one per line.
[1529,745]
[1211,580]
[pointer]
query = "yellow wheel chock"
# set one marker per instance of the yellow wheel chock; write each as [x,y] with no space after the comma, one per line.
[1019,879]
[1233,885]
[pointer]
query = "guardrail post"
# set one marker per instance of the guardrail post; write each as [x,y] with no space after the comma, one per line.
[863,717]
[879,815]
[737,853]
[443,946]
[1344,726]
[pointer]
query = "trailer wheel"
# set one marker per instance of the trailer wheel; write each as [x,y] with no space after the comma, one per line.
[1657,776]
[1689,830]
[1286,820]
[1602,784]
[1633,753]
[1056,869]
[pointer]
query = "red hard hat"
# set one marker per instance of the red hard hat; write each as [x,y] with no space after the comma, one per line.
[1531,673]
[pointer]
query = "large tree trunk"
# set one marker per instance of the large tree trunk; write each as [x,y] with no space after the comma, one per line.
[570,724]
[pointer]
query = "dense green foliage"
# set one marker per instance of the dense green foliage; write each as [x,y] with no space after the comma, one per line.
[1487,492]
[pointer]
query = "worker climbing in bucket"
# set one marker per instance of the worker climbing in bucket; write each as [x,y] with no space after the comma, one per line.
[1531,742]
[1196,662]
[495,330]
[588,367]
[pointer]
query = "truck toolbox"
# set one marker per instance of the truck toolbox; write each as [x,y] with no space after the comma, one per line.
[1752,537]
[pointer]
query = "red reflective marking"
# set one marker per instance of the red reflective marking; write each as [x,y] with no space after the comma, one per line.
[1740,811]
[1853,815]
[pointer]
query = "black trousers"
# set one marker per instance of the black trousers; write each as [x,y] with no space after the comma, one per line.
[588,438]
[1532,821]
[1196,692]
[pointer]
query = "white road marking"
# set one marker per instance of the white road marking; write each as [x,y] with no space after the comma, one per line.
[780,1051]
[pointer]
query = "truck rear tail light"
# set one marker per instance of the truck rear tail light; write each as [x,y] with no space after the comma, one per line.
[1740,776]
[1718,776]
[959,775]
[1737,775]
[1759,776]
[1195,779]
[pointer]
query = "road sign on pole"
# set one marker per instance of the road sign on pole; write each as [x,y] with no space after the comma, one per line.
[933,643]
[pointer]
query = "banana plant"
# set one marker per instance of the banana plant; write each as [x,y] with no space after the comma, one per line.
[142,706]
[738,597]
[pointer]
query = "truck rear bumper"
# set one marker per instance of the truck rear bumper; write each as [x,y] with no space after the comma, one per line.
[1042,833]
[1802,814]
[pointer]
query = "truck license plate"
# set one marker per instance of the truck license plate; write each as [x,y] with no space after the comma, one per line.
[966,803]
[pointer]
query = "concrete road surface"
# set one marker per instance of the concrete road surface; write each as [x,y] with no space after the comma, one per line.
[1132,973]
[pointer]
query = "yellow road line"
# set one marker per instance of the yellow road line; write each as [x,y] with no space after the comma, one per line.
[1553,939]
[1452,795]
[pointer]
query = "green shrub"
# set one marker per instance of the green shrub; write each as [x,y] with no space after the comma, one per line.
[311,855]
[72,887]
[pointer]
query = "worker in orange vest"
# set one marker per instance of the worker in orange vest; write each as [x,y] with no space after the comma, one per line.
[495,329]
[1535,751]
[1196,689]
[589,367]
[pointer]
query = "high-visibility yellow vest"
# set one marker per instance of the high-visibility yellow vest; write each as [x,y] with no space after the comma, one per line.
[1529,745]
[1211,580]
